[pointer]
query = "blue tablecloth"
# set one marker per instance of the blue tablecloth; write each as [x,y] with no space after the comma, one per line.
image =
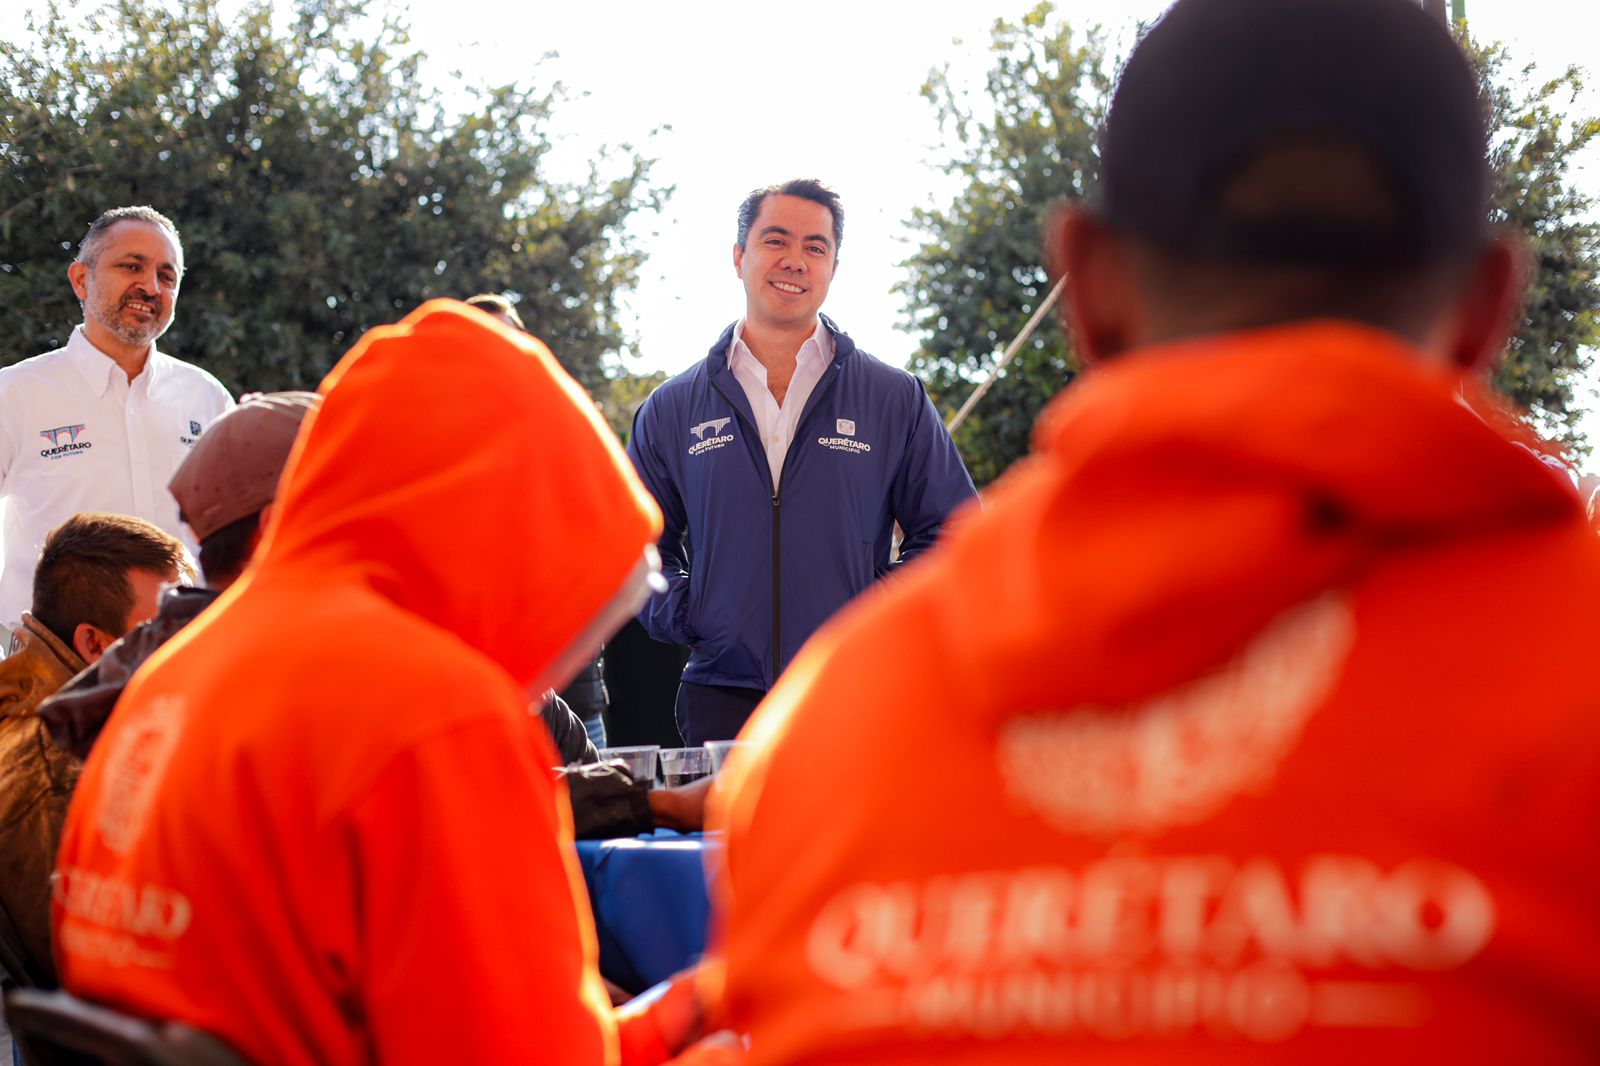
[650,904]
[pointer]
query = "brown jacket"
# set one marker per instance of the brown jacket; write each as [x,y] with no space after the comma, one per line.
[36,782]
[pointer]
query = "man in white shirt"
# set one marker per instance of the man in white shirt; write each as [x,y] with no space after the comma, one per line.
[782,462]
[101,424]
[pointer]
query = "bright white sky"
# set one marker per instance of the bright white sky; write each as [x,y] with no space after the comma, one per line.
[757,93]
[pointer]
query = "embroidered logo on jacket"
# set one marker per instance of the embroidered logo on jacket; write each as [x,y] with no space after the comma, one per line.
[845,441]
[57,449]
[714,425]
[718,439]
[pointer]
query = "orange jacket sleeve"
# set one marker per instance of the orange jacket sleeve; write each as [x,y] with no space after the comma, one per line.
[466,909]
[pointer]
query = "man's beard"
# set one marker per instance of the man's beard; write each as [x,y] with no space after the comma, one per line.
[108,310]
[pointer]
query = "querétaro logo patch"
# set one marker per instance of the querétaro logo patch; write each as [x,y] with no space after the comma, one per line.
[845,440]
[717,438]
[64,442]
[192,436]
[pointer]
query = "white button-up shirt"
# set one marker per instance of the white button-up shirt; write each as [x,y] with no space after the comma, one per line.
[77,435]
[777,424]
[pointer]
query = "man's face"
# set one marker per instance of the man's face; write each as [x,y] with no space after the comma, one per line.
[787,261]
[131,290]
[146,586]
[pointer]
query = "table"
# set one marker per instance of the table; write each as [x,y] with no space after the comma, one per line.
[650,904]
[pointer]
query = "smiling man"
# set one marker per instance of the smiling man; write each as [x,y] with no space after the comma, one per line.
[782,462]
[101,424]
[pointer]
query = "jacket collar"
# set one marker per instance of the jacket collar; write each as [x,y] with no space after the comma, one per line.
[717,357]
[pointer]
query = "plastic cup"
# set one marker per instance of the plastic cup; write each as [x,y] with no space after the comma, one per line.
[640,759]
[719,750]
[679,766]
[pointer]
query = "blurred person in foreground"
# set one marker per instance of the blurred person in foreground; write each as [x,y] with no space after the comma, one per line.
[98,577]
[585,695]
[325,794]
[224,487]
[1227,731]
[606,801]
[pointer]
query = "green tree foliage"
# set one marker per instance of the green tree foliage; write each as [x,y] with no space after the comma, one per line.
[1031,142]
[1533,149]
[979,275]
[623,395]
[320,189]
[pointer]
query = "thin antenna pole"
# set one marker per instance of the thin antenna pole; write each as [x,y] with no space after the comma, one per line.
[1011,350]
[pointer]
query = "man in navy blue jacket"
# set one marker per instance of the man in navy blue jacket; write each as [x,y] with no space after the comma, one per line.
[782,461]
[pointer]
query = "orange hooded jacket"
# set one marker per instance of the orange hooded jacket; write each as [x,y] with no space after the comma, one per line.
[321,823]
[1251,720]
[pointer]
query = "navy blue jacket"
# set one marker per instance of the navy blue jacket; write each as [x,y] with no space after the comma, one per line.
[752,573]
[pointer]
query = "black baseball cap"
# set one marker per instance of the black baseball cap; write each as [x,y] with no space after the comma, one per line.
[1215,82]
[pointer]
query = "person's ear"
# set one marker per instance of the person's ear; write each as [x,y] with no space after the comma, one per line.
[1098,306]
[91,642]
[78,274]
[738,260]
[1489,309]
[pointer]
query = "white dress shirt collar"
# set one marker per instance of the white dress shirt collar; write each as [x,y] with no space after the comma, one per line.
[96,366]
[778,424]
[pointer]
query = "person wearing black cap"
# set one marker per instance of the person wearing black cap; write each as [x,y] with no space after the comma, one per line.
[1225,733]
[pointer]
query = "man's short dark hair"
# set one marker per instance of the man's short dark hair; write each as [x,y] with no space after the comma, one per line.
[82,575]
[224,554]
[89,247]
[495,304]
[806,189]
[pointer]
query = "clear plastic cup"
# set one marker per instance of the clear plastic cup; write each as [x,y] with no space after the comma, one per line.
[679,766]
[719,750]
[640,759]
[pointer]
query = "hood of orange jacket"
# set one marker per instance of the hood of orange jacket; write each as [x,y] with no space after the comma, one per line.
[427,495]
[1222,479]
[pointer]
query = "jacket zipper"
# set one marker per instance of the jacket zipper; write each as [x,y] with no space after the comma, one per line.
[777,504]
[755,434]
[817,393]
[777,574]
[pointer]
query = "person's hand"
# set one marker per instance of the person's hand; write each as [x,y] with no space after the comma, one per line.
[718,1049]
[661,1021]
[665,1025]
[682,808]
